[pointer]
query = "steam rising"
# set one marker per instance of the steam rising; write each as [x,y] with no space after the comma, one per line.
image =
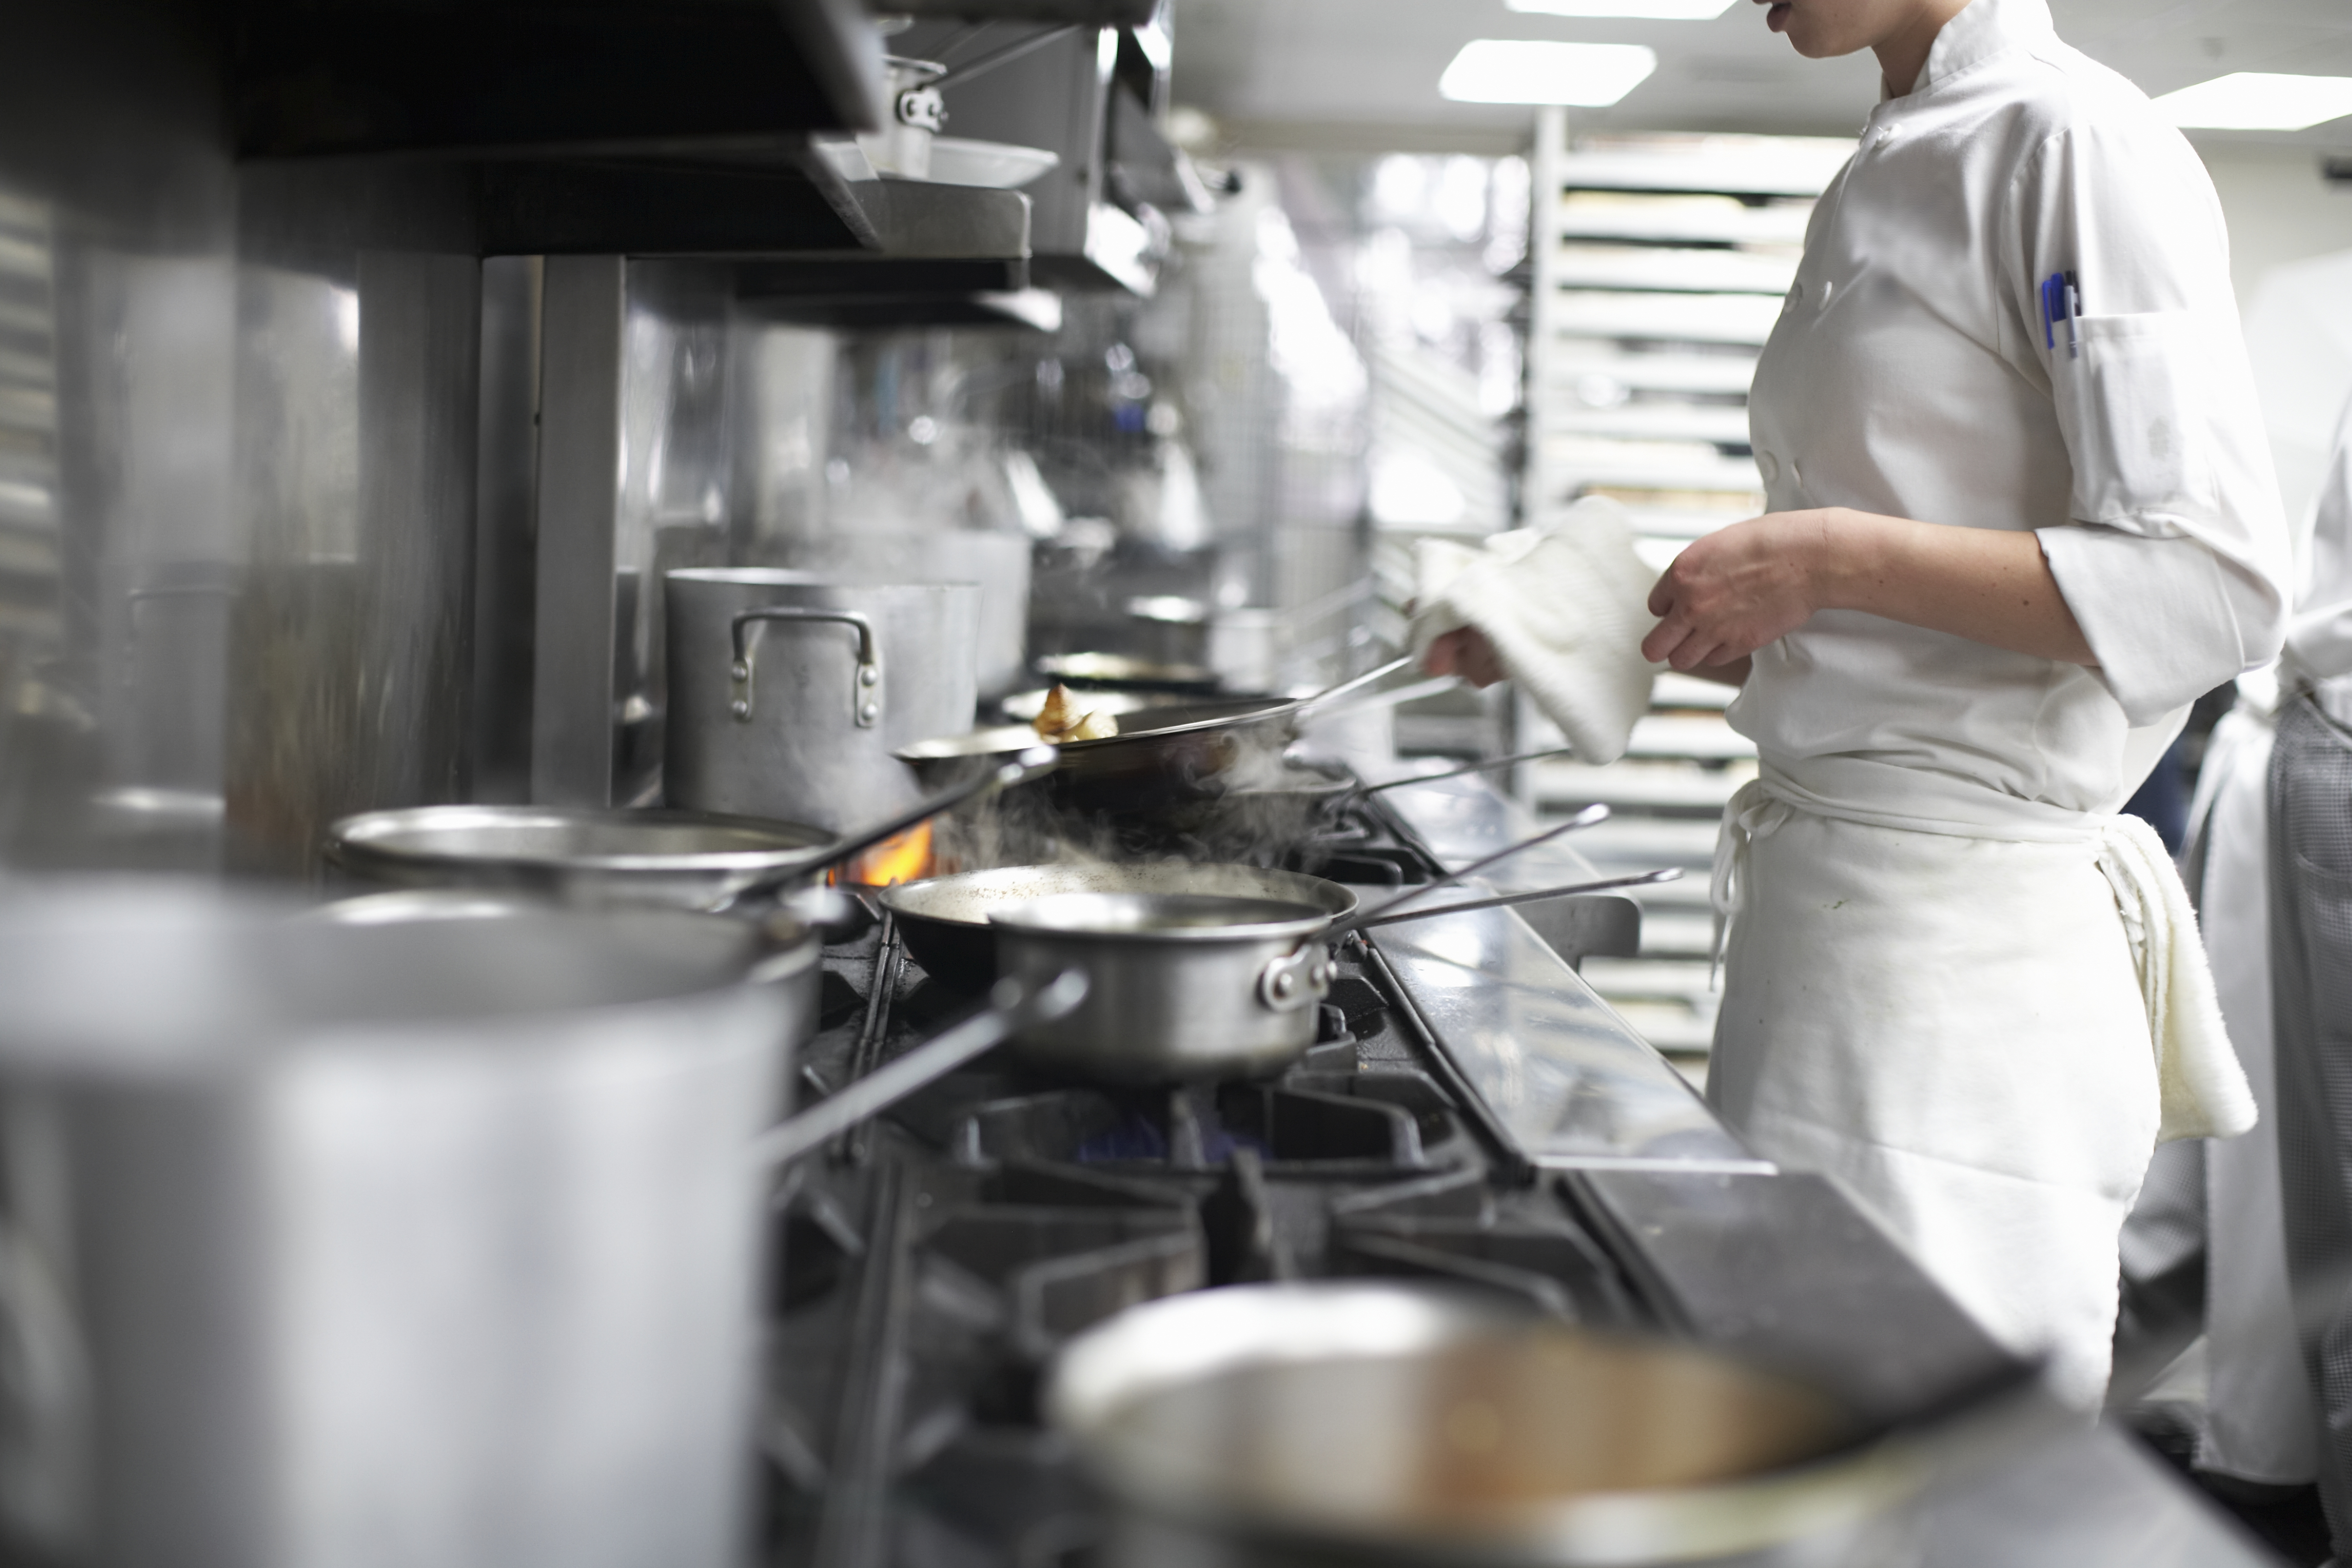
[1261,809]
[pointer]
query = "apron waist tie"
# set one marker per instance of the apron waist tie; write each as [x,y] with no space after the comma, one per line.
[2204,1090]
[1753,813]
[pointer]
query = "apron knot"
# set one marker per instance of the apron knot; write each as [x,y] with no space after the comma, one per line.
[1755,811]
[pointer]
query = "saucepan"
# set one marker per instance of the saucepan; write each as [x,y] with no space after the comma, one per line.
[1186,986]
[1315,1423]
[945,920]
[587,855]
[1180,752]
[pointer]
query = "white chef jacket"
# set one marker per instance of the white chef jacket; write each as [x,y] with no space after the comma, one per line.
[1911,374]
[1947,964]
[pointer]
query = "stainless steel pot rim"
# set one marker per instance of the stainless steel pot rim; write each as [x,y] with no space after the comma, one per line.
[790,942]
[457,838]
[937,898]
[1154,919]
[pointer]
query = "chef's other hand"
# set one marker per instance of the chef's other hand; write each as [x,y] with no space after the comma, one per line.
[1740,587]
[1465,652]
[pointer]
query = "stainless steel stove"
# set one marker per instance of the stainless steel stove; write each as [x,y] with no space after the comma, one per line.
[934,1264]
[1470,1112]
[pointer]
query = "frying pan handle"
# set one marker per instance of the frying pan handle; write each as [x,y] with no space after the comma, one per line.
[1033,763]
[865,694]
[1012,1007]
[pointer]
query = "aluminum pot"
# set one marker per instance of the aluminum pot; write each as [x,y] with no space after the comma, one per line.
[789,693]
[397,1242]
[1312,1425]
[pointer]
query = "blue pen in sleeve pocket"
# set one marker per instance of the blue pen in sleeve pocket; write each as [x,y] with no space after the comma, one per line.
[2062,301]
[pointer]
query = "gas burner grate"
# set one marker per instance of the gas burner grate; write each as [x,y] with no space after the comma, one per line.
[932,1264]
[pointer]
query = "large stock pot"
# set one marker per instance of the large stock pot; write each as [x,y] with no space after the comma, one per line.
[790,692]
[387,1241]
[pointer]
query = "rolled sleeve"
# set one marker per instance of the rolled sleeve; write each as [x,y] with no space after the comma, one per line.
[2170,619]
[2179,568]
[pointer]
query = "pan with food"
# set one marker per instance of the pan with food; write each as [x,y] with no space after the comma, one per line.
[1161,757]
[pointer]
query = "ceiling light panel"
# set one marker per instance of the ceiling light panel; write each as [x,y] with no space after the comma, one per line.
[2260,101]
[1517,70]
[1643,10]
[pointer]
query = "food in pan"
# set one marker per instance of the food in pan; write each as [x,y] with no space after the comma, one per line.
[1060,720]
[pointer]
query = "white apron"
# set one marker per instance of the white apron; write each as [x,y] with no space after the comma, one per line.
[2259,1425]
[1980,1030]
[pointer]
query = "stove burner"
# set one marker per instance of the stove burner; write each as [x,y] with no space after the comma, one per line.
[932,1266]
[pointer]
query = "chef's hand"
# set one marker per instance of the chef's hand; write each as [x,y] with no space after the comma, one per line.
[1465,652]
[1730,593]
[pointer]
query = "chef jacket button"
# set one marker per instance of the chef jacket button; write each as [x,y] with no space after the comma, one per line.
[1828,288]
[1884,137]
[1769,465]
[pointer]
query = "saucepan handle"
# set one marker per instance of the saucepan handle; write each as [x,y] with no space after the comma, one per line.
[866,692]
[1012,1007]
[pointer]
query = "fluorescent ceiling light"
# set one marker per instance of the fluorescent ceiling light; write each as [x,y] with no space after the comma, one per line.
[1517,70]
[1647,10]
[2260,101]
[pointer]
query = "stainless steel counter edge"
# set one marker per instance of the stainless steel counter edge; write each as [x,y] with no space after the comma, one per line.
[1565,1081]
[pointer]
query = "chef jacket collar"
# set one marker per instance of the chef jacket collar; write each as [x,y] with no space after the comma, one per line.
[1981,30]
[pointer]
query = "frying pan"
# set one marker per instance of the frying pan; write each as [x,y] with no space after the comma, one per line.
[945,920]
[1179,751]
[586,855]
[1199,985]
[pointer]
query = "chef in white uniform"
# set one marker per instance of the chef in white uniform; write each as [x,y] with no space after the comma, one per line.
[2261,1423]
[2310,905]
[2020,515]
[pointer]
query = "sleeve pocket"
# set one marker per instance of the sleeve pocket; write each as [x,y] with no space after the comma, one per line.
[2131,409]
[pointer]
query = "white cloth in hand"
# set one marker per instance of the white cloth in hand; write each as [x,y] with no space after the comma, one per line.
[1566,609]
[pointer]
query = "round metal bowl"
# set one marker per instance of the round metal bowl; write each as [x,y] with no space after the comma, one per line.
[1024,706]
[688,859]
[1125,672]
[1334,1422]
[944,920]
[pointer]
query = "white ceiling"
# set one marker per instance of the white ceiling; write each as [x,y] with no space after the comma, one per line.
[1364,73]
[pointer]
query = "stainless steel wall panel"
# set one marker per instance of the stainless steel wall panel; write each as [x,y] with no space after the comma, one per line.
[506,481]
[350,671]
[580,349]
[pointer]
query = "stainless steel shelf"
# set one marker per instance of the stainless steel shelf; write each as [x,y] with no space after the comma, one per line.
[371,77]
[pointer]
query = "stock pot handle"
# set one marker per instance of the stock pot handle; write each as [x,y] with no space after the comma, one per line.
[865,696]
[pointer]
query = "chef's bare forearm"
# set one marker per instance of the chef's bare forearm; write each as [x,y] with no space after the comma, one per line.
[1740,587]
[1984,584]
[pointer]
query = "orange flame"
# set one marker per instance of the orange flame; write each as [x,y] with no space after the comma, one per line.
[906,859]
